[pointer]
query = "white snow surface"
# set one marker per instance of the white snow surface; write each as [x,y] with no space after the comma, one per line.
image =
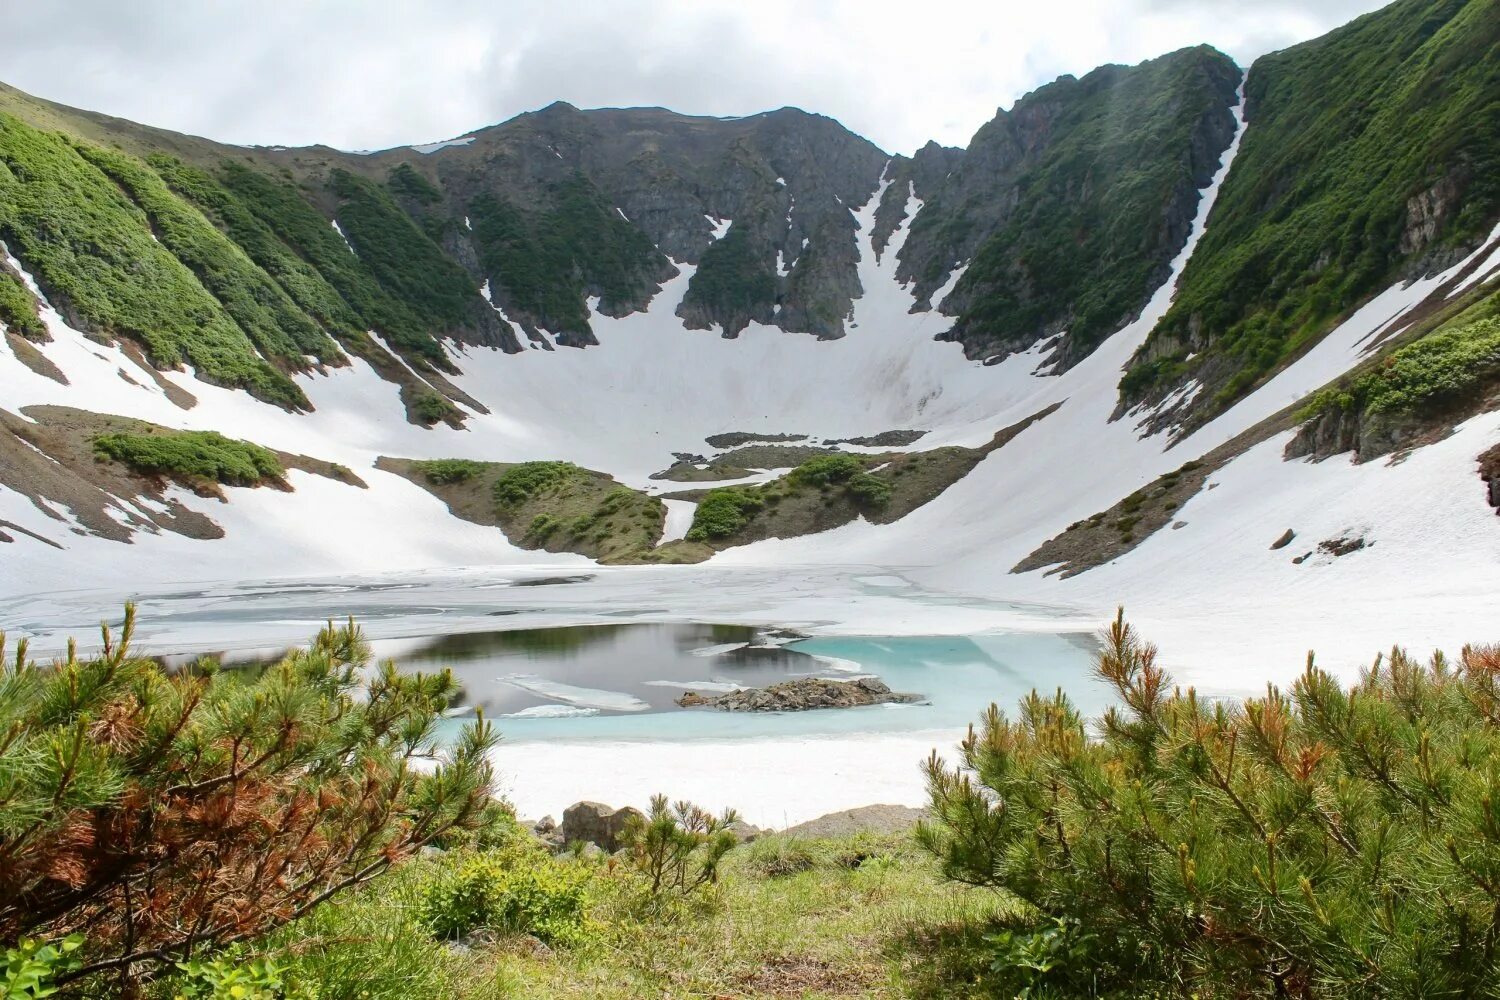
[1229,612]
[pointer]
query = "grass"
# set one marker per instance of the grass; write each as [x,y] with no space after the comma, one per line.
[193,456]
[1345,131]
[846,923]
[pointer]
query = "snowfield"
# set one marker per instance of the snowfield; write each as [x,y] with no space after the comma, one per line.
[1229,612]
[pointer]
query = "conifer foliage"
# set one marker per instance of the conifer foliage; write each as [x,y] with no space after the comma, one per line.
[1319,842]
[163,813]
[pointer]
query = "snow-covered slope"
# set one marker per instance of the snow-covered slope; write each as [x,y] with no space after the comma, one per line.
[652,388]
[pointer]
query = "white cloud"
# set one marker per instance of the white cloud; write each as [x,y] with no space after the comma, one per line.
[368,75]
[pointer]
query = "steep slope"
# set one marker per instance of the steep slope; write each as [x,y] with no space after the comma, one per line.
[1070,206]
[1372,154]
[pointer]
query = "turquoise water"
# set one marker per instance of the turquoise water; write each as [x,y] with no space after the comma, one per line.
[620,681]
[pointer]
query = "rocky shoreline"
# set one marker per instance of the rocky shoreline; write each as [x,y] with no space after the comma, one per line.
[801,695]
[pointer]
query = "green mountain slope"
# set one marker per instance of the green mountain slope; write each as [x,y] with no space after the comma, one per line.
[1074,203]
[1371,153]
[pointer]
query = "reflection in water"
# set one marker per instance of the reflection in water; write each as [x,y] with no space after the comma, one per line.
[622,681]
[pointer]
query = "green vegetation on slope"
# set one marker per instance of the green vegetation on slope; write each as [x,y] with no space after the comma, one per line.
[1368,148]
[18,308]
[734,283]
[300,279]
[92,252]
[192,456]
[279,329]
[1316,842]
[543,262]
[1099,216]
[407,264]
[1441,368]
[279,205]
[449,470]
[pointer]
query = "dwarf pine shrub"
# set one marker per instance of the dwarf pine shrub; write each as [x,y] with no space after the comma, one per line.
[1325,841]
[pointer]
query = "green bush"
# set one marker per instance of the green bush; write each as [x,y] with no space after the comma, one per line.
[440,471]
[521,482]
[826,469]
[780,856]
[1326,841]
[432,407]
[723,512]
[517,892]
[869,491]
[18,308]
[1437,369]
[231,976]
[201,455]
[678,848]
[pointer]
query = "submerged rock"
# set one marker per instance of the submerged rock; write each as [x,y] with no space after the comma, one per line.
[801,695]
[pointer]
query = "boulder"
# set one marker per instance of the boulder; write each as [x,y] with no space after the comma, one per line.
[744,832]
[596,823]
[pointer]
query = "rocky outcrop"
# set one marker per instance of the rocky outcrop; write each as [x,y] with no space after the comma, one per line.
[802,695]
[1489,472]
[597,824]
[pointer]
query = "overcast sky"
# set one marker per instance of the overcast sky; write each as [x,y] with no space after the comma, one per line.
[360,74]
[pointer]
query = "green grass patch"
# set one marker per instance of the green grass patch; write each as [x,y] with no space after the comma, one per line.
[192,455]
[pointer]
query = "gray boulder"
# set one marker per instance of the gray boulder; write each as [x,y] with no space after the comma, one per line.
[596,823]
[865,819]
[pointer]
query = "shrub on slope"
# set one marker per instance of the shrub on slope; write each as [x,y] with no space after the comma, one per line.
[192,456]
[1326,841]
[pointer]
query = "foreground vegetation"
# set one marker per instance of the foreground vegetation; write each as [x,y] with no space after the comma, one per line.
[256,835]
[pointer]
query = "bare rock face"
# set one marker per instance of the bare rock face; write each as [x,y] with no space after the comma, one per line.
[596,823]
[805,694]
[879,819]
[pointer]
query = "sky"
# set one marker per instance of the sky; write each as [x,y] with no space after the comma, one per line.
[368,74]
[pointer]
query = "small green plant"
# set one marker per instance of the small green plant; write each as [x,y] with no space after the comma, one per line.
[440,471]
[678,847]
[229,976]
[31,967]
[519,891]
[780,856]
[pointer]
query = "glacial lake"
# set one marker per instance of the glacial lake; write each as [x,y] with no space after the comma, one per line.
[622,681]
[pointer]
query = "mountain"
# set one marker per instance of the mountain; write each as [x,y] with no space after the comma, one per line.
[1146,335]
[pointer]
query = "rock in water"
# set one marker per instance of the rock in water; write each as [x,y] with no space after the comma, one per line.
[801,695]
[596,823]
